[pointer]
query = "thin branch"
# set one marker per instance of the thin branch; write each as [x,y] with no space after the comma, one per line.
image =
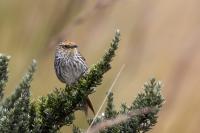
[116,78]
[120,119]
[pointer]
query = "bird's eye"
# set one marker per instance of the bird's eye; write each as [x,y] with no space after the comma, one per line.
[66,46]
[69,46]
[75,46]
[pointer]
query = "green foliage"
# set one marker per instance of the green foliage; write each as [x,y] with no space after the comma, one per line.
[110,112]
[3,73]
[14,110]
[151,97]
[49,113]
[142,112]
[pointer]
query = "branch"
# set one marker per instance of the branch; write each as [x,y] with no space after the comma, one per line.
[120,118]
[3,73]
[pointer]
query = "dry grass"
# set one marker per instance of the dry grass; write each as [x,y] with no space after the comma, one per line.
[159,38]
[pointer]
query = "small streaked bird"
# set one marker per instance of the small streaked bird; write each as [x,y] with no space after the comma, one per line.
[70,66]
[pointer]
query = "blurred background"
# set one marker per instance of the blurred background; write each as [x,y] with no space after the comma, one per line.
[159,38]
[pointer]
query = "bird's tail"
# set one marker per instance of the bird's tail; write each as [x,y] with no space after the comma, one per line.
[88,104]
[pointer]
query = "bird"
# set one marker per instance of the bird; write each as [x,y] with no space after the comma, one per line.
[70,66]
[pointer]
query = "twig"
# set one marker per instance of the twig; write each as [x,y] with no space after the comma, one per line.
[120,119]
[116,78]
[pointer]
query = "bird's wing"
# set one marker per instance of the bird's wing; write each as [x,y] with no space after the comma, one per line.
[85,64]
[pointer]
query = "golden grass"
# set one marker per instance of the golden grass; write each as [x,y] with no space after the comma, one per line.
[159,38]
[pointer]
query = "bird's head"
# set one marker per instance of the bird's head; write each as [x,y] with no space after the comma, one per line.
[68,46]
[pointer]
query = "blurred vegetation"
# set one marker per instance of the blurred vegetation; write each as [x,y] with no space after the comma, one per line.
[160,38]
